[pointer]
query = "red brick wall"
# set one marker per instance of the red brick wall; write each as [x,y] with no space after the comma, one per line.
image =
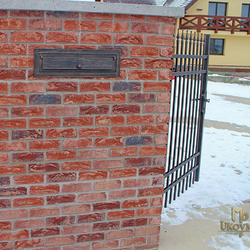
[82,158]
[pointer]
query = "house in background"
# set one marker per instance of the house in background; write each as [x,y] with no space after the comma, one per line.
[227,21]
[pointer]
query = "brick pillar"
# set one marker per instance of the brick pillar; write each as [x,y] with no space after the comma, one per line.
[82,159]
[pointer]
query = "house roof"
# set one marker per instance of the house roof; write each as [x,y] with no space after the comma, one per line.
[180,3]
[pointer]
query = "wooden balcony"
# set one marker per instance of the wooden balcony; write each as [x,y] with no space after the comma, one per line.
[216,23]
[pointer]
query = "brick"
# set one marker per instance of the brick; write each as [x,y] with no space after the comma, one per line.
[146,97]
[76,247]
[61,111]
[101,38]
[164,97]
[27,156]
[76,187]
[159,180]
[157,201]
[134,222]
[114,152]
[45,99]
[133,241]
[29,243]
[28,179]
[43,167]
[122,193]
[6,245]
[26,111]
[78,99]
[145,28]
[166,52]
[62,240]
[4,158]
[15,169]
[3,12]
[93,175]
[62,86]
[105,245]
[94,110]
[144,247]
[3,60]
[147,230]
[3,85]
[76,229]
[155,220]
[131,63]
[160,40]
[77,121]
[96,131]
[136,182]
[127,86]
[122,173]
[106,226]
[21,62]
[128,39]
[12,49]
[150,191]
[61,155]
[154,129]
[113,26]
[138,140]
[100,196]
[76,165]
[13,214]
[90,237]
[110,120]
[161,19]
[80,25]
[26,202]
[142,75]
[5,225]
[168,29]
[32,47]
[45,145]
[153,239]
[152,170]
[97,16]
[78,143]
[165,75]
[41,232]
[62,14]
[109,142]
[123,49]
[144,51]
[48,189]
[140,119]
[93,153]
[125,109]
[160,160]
[28,223]
[135,203]
[41,212]
[106,164]
[110,98]
[95,86]
[12,74]
[27,36]
[154,150]
[60,199]
[13,100]
[119,233]
[5,203]
[76,209]
[24,13]
[62,220]
[4,135]
[104,185]
[157,86]
[3,37]
[23,87]
[89,218]
[12,23]
[142,212]
[161,139]
[158,63]
[156,108]
[61,132]
[45,24]
[106,205]
[129,17]
[61,177]
[14,235]
[4,181]
[62,37]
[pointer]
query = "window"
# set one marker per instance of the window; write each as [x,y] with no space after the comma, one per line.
[217,9]
[245,10]
[216,46]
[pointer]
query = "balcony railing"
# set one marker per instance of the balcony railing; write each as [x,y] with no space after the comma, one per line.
[216,23]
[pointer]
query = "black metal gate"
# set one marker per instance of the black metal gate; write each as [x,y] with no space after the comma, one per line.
[188,100]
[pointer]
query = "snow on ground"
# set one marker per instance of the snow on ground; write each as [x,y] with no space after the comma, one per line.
[225,166]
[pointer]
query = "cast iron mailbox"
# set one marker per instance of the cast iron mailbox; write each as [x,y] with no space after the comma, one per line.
[77,63]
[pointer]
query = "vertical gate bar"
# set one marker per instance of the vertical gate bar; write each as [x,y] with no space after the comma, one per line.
[171,127]
[203,98]
[175,159]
